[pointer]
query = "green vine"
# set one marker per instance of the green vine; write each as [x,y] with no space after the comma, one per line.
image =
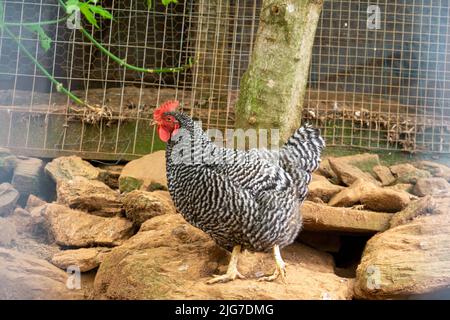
[90,9]
[42,23]
[129,66]
[59,86]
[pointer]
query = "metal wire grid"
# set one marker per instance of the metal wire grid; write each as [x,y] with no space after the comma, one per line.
[146,38]
[385,88]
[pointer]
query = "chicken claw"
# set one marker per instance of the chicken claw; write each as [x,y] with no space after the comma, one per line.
[232,271]
[280,269]
[229,276]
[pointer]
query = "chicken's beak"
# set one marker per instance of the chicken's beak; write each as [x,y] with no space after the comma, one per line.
[153,123]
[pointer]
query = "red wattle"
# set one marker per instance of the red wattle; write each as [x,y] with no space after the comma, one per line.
[164,135]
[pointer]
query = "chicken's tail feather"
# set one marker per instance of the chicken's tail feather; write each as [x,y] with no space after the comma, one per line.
[304,148]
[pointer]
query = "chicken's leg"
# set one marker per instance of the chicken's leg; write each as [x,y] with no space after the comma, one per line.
[280,269]
[232,271]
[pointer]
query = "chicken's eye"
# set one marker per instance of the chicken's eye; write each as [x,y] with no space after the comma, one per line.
[169,119]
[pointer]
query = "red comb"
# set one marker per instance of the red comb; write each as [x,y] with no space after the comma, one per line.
[167,106]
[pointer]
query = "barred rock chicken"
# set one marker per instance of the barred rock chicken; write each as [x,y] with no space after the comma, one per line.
[242,199]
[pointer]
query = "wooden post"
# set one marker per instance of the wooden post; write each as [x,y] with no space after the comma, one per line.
[273,88]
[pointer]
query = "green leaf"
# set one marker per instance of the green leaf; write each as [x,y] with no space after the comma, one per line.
[84,8]
[102,12]
[44,39]
[72,5]
[149,3]
[167,2]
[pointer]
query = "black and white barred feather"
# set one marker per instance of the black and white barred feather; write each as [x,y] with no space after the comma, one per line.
[300,156]
[241,198]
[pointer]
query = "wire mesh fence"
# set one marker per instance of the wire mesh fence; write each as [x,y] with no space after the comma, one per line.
[383,86]
[387,86]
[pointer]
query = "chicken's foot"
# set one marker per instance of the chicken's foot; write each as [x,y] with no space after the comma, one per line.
[280,269]
[232,271]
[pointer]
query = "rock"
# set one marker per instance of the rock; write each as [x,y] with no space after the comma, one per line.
[142,205]
[371,197]
[424,206]
[39,223]
[75,228]
[7,165]
[442,205]
[407,173]
[385,200]
[406,187]
[21,231]
[436,169]
[34,202]
[29,178]
[363,161]
[26,277]
[89,195]
[384,175]
[326,171]
[347,174]
[25,232]
[35,248]
[409,259]
[170,259]
[67,168]
[7,232]
[8,198]
[110,175]
[352,195]
[30,224]
[321,188]
[85,259]
[321,241]
[431,186]
[22,220]
[147,173]
[317,217]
